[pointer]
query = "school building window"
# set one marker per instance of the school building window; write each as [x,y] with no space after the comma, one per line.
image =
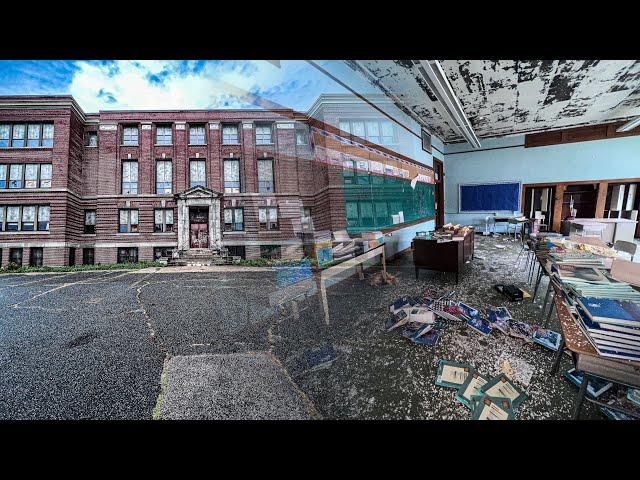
[164,176]
[270,251]
[268,217]
[35,256]
[129,177]
[263,134]
[89,221]
[130,135]
[265,176]
[196,134]
[88,256]
[26,135]
[27,218]
[197,174]
[163,135]
[232,176]
[233,219]
[128,255]
[230,134]
[91,139]
[128,221]
[163,220]
[28,175]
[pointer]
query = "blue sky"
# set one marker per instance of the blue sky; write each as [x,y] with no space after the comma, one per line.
[165,84]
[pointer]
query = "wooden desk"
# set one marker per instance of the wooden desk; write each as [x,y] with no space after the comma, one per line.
[444,256]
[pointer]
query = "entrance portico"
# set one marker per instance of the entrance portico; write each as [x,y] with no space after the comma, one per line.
[199,219]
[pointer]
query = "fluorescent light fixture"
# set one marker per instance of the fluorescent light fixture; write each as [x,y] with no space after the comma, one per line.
[439,84]
[629,125]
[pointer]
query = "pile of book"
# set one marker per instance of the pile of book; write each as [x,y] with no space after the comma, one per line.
[576,258]
[488,398]
[612,326]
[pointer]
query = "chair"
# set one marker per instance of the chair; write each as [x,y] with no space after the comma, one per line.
[625,271]
[627,247]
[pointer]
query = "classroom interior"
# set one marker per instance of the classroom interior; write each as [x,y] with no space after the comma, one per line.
[532,229]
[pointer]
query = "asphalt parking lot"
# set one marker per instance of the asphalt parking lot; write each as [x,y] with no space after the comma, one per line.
[94,345]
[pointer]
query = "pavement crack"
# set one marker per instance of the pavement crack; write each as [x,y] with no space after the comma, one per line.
[153,333]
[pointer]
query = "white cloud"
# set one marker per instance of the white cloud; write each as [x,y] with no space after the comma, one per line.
[129,84]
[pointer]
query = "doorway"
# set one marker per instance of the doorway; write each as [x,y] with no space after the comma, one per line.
[199,227]
[539,203]
[438,174]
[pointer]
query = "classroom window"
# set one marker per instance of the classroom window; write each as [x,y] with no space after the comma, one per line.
[163,135]
[128,255]
[128,221]
[232,176]
[270,251]
[163,220]
[236,251]
[230,134]
[26,135]
[91,139]
[30,175]
[44,213]
[164,176]
[15,256]
[349,172]
[27,218]
[381,132]
[35,256]
[265,176]
[197,174]
[196,134]
[129,177]
[45,175]
[5,134]
[306,221]
[18,135]
[302,135]
[130,135]
[88,256]
[162,252]
[15,176]
[90,221]
[263,134]
[268,218]
[233,219]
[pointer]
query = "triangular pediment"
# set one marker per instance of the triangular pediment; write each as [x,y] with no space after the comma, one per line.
[198,192]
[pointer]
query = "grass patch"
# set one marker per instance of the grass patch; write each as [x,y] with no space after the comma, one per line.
[81,268]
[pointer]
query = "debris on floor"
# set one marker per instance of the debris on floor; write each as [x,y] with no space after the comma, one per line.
[382,278]
[515,368]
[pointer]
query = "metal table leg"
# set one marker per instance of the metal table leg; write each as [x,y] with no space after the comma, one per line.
[583,390]
[558,358]
[535,291]
[546,323]
[546,297]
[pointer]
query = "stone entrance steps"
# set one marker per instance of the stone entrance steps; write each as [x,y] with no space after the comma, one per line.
[201,257]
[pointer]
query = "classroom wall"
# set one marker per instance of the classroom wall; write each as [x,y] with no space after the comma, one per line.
[506,159]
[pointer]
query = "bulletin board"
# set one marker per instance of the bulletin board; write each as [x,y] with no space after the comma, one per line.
[489,197]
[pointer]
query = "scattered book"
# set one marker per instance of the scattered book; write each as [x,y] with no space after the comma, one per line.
[596,386]
[430,338]
[470,389]
[633,395]
[502,386]
[479,324]
[398,320]
[468,311]
[547,338]
[521,330]
[399,304]
[580,274]
[492,408]
[452,374]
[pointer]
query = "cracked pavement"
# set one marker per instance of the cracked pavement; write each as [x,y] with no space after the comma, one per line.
[93,345]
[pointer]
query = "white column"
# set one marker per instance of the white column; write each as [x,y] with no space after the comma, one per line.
[215,235]
[183,225]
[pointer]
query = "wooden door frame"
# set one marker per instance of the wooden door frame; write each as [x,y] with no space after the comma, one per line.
[439,214]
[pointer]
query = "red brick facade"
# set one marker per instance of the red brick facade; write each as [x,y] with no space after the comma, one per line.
[90,178]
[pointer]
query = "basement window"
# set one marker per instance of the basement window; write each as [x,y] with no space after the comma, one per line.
[128,255]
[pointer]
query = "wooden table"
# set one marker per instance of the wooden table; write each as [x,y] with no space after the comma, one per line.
[586,358]
[342,267]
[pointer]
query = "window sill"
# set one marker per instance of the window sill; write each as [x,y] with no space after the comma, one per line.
[235,232]
[232,144]
[129,144]
[196,144]
[164,233]
[128,234]
[40,189]
[163,144]
[91,146]
[265,144]
[27,148]
[89,234]
[25,232]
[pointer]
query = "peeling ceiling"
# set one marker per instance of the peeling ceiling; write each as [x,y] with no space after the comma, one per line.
[506,97]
